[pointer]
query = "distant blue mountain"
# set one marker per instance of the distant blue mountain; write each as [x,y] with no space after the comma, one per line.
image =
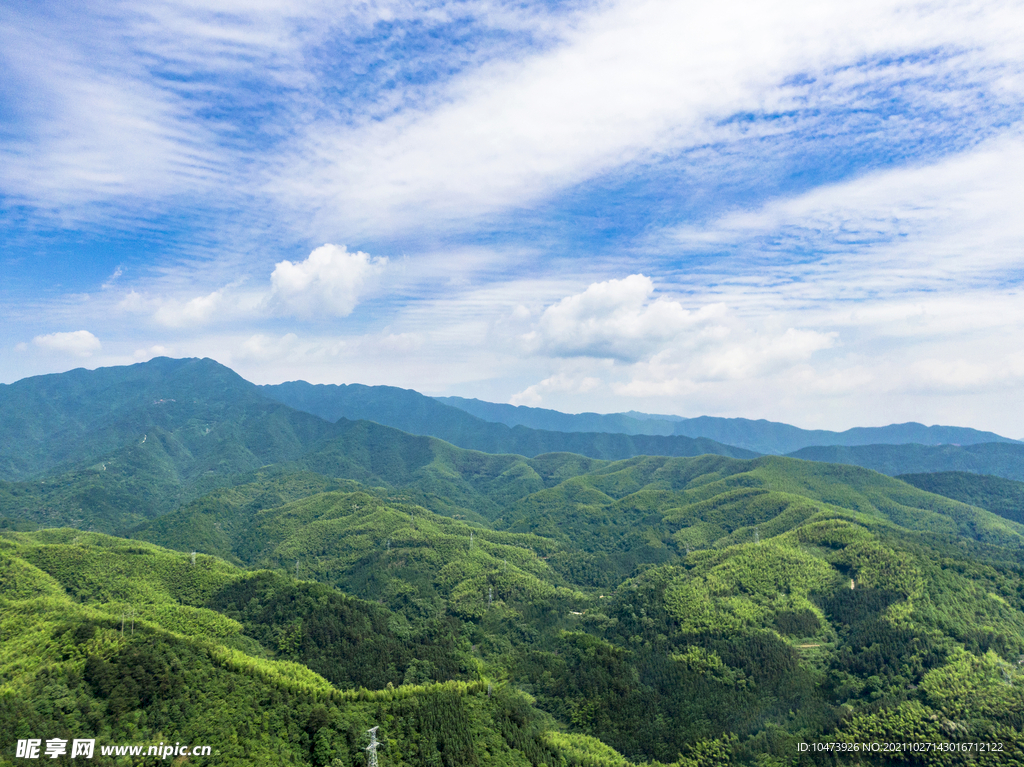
[760,436]
[999,459]
[416,413]
[553,420]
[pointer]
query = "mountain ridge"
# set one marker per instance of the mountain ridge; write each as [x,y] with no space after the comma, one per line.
[410,411]
[760,435]
[1002,459]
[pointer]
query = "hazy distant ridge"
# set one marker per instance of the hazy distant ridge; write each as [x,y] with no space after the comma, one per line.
[761,436]
[416,413]
[553,420]
[1001,459]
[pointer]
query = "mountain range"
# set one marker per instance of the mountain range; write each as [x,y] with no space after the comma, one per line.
[185,556]
[760,436]
[895,449]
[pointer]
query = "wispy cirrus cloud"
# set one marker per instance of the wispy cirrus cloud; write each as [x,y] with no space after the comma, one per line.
[119,108]
[94,125]
[787,209]
[636,82]
[951,223]
[349,113]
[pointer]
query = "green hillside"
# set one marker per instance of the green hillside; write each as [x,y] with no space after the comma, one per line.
[661,603]
[202,413]
[128,643]
[1004,497]
[285,583]
[145,480]
[108,449]
[651,510]
[1000,459]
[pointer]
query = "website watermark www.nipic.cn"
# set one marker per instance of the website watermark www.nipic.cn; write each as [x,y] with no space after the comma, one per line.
[37,748]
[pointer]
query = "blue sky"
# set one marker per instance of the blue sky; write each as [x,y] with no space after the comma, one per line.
[807,212]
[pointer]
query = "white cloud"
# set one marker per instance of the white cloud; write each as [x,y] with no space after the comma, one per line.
[944,225]
[629,83]
[114,277]
[329,282]
[157,350]
[94,125]
[196,311]
[80,343]
[262,347]
[121,108]
[614,319]
[748,354]
[533,395]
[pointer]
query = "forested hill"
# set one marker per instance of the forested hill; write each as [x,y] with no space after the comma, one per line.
[168,466]
[1004,497]
[483,609]
[779,438]
[1000,459]
[413,412]
[761,436]
[109,448]
[201,412]
[704,602]
[129,643]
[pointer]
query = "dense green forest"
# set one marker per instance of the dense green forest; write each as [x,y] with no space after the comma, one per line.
[1005,497]
[659,603]
[278,590]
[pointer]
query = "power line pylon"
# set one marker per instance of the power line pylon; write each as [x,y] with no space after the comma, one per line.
[372,748]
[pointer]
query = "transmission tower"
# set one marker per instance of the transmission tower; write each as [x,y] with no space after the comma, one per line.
[372,748]
[490,595]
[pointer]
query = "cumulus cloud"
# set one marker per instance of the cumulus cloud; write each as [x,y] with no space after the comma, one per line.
[615,319]
[80,343]
[330,281]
